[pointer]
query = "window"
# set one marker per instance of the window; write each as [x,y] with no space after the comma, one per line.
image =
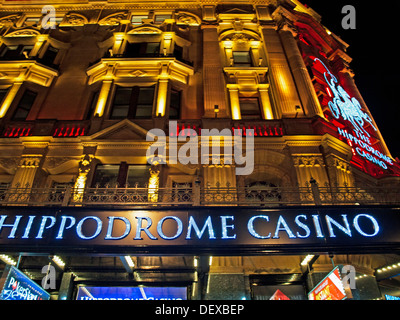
[32,21]
[250,108]
[241,59]
[49,56]
[144,106]
[178,52]
[54,22]
[24,105]
[175,105]
[142,49]
[138,19]
[121,175]
[160,18]
[16,52]
[106,175]
[138,175]
[133,103]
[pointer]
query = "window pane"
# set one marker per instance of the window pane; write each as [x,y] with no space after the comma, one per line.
[138,19]
[161,17]
[249,108]
[120,112]
[122,96]
[10,52]
[144,106]
[143,112]
[146,96]
[25,105]
[49,56]
[121,103]
[106,175]
[138,175]
[242,58]
[153,48]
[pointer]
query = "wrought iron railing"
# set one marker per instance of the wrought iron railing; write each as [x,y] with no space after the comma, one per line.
[194,195]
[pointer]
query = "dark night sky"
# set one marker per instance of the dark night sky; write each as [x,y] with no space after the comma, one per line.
[375,51]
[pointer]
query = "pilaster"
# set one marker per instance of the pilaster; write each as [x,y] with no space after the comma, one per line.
[213,78]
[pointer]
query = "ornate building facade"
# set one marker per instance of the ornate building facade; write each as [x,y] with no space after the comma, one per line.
[81,91]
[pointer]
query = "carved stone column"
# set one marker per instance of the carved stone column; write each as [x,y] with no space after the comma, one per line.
[213,78]
[281,81]
[308,96]
[26,171]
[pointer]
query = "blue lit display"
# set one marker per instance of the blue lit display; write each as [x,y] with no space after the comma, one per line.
[16,285]
[132,293]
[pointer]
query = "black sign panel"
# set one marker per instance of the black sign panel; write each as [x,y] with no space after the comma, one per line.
[210,230]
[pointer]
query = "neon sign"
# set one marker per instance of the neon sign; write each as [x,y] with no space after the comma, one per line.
[262,227]
[347,108]
[195,230]
[344,106]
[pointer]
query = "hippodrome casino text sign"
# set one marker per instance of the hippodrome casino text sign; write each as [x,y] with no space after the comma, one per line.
[190,230]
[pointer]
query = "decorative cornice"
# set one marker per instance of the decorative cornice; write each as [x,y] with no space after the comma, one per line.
[27,71]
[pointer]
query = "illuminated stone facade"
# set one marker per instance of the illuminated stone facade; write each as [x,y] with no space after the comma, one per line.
[86,93]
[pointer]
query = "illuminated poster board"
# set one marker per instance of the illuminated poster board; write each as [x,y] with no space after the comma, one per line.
[278,292]
[330,288]
[15,285]
[131,293]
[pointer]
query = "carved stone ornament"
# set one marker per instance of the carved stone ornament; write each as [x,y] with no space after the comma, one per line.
[23,33]
[84,164]
[74,19]
[10,163]
[9,20]
[187,19]
[308,161]
[240,37]
[30,161]
[113,19]
[145,30]
[138,73]
[54,162]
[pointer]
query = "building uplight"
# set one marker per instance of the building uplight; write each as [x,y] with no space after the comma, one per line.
[307,259]
[7,259]
[129,261]
[58,261]
[387,268]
